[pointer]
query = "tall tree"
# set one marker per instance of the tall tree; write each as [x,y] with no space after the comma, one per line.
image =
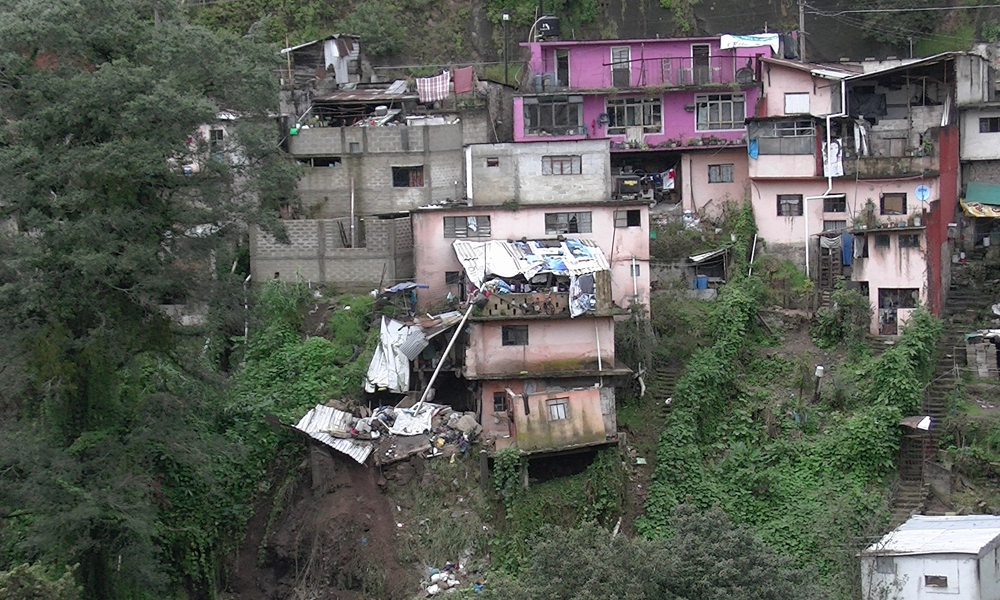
[100,104]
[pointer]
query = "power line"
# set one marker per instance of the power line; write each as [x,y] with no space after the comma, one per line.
[820,12]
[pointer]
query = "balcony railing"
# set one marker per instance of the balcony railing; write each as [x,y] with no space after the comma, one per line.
[527,305]
[674,71]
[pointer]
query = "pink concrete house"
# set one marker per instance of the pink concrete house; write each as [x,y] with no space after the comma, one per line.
[542,367]
[672,110]
[619,229]
[876,212]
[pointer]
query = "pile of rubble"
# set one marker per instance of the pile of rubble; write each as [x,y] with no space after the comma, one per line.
[392,433]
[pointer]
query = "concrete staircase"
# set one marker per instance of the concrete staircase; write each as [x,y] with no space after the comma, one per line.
[965,306]
[660,385]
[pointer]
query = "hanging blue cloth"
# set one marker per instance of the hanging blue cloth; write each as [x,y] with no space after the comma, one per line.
[846,248]
[752,149]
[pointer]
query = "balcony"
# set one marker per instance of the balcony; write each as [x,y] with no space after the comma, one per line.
[881,167]
[670,71]
[537,304]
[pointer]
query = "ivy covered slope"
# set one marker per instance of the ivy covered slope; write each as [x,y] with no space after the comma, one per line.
[811,478]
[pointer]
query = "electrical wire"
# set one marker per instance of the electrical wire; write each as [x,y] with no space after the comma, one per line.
[895,10]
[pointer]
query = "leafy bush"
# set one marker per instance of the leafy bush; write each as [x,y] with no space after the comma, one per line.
[845,321]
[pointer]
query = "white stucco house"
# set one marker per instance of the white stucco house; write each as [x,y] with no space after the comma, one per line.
[935,558]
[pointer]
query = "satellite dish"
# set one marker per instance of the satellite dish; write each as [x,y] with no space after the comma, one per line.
[744,76]
[923,193]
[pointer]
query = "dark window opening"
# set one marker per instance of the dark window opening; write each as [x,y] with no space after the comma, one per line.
[893,203]
[514,335]
[836,204]
[408,176]
[562,67]
[493,161]
[558,115]
[938,581]
[898,297]
[499,402]
[355,147]
[628,218]
[452,277]
[834,225]
[321,161]
[989,124]
[881,241]
[568,222]
[910,240]
[789,205]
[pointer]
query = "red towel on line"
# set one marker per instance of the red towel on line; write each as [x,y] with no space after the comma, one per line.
[463,80]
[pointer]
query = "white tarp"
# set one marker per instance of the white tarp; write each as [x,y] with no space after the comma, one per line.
[332,427]
[750,41]
[389,369]
[509,259]
[414,422]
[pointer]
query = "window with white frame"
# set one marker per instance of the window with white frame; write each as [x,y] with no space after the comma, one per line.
[720,173]
[558,409]
[834,225]
[553,115]
[467,227]
[568,222]
[784,137]
[561,165]
[628,218]
[719,111]
[634,112]
[621,67]
[796,103]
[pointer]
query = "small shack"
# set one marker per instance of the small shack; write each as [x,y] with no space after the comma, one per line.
[955,556]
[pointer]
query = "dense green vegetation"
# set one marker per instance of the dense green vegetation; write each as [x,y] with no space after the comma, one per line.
[707,558]
[809,477]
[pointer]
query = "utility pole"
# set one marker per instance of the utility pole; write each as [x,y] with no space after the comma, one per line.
[802,30]
[506,18]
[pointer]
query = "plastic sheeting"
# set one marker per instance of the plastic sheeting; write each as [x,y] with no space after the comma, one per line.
[390,368]
[510,259]
[750,41]
[416,420]
[582,297]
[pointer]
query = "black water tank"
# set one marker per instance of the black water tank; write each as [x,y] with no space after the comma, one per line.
[548,27]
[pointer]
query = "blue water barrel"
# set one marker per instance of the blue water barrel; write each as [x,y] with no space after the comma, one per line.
[701,282]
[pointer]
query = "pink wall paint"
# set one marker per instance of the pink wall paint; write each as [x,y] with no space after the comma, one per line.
[433,253]
[534,431]
[563,345]
[779,80]
[893,267]
[782,166]
[589,70]
[791,230]
[708,198]
[589,61]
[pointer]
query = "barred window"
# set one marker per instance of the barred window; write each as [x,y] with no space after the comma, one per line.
[789,205]
[467,227]
[568,222]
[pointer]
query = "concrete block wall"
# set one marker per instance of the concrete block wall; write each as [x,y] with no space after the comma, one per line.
[519,174]
[477,128]
[316,254]
[325,191]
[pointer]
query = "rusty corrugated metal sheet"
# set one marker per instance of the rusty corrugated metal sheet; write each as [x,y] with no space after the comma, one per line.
[321,420]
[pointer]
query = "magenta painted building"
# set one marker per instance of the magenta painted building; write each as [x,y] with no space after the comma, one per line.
[666,106]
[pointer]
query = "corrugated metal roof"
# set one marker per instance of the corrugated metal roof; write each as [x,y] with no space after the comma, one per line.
[321,420]
[509,259]
[939,535]
[395,91]
[697,258]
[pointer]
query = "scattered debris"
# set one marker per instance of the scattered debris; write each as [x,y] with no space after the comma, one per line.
[444,579]
[392,433]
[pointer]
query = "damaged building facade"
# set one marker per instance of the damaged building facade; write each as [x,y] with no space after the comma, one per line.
[854,173]
[371,150]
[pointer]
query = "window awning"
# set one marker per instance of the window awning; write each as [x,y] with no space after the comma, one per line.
[981,200]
